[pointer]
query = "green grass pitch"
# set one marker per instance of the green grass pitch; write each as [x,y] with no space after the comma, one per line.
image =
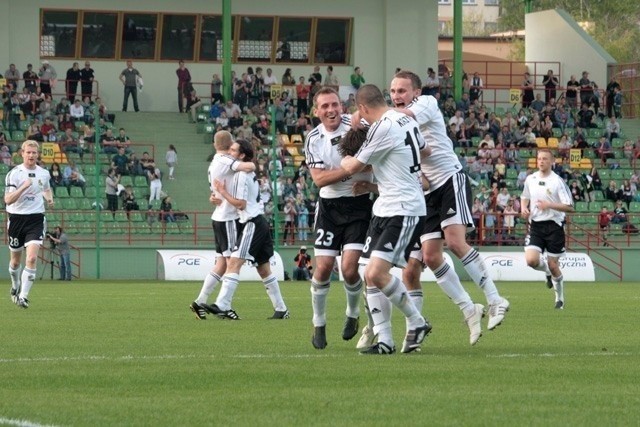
[115,353]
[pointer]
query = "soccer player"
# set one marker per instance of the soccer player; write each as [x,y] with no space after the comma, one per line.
[27,187]
[224,218]
[255,243]
[341,219]
[545,201]
[393,148]
[448,200]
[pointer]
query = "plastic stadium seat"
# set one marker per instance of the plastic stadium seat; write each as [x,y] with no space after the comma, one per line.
[136,217]
[84,204]
[76,192]
[172,228]
[512,174]
[90,170]
[106,217]
[605,174]
[90,193]
[541,142]
[140,181]
[634,207]
[609,205]
[552,142]
[126,180]
[582,207]
[76,217]
[595,207]
[121,216]
[4,168]
[69,204]
[17,135]
[617,174]
[186,227]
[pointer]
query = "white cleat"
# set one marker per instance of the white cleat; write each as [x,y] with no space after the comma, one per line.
[474,323]
[366,339]
[497,313]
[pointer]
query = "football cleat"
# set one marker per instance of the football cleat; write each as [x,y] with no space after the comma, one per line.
[549,282]
[366,339]
[350,328]
[559,305]
[280,315]
[379,348]
[222,314]
[23,302]
[474,323]
[319,338]
[198,310]
[14,295]
[497,313]
[414,338]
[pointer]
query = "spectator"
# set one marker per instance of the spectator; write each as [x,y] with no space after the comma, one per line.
[47,129]
[564,146]
[76,110]
[5,155]
[129,77]
[357,78]
[47,75]
[550,83]
[55,174]
[69,142]
[71,82]
[289,221]
[302,218]
[16,158]
[604,150]
[302,271]
[522,176]
[111,190]
[612,192]
[431,83]
[172,159]
[166,210]
[193,102]
[87,76]
[613,128]
[509,216]
[184,84]
[34,132]
[122,140]
[230,108]
[315,76]
[331,79]
[155,184]
[30,77]
[527,91]
[72,177]
[571,93]
[302,93]
[627,192]
[287,78]
[586,89]
[617,103]
[475,88]
[61,241]
[108,142]
[576,192]
[120,162]
[619,213]
[268,81]
[62,108]
[129,202]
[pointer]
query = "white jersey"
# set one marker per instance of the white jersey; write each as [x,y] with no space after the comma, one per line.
[393,149]
[321,150]
[551,188]
[443,162]
[222,168]
[31,201]
[246,187]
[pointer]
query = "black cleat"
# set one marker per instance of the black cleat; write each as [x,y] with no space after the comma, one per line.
[198,310]
[280,315]
[222,314]
[549,282]
[414,338]
[559,305]
[319,338]
[14,295]
[23,303]
[379,348]
[350,328]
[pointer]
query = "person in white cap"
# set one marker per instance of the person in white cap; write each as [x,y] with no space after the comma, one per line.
[47,76]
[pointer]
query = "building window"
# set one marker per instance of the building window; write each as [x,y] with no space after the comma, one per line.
[139,32]
[178,37]
[469,1]
[294,40]
[490,27]
[99,35]
[58,34]
[491,2]
[256,39]
[332,37]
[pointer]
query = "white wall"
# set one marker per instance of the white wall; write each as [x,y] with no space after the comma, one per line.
[384,37]
[553,35]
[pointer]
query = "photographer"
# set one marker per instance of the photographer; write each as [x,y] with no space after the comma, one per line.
[60,241]
[303,265]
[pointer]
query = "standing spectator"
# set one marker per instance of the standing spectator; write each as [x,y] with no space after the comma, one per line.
[475,90]
[357,78]
[86,80]
[331,79]
[550,83]
[47,75]
[269,80]
[527,91]
[120,162]
[30,77]
[216,89]
[155,184]
[13,76]
[12,112]
[287,78]
[111,189]
[172,159]
[315,76]
[431,83]
[302,92]
[129,77]
[303,265]
[61,240]
[184,84]
[25,195]
[586,89]
[71,82]
[289,221]
[303,217]
[571,93]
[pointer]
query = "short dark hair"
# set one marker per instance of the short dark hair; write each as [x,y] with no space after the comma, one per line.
[351,142]
[371,96]
[245,147]
[410,75]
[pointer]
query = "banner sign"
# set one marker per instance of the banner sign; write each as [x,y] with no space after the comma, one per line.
[511,266]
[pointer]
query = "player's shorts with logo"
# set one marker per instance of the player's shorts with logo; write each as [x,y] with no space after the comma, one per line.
[254,241]
[392,238]
[341,224]
[448,205]
[546,236]
[26,229]
[225,234]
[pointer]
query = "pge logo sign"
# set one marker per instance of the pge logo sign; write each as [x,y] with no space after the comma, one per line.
[501,262]
[189,261]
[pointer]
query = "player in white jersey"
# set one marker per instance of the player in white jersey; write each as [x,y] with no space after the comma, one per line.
[254,243]
[26,190]
[224,217]
[341,218]
[393,148]
[545,200]
[448,199]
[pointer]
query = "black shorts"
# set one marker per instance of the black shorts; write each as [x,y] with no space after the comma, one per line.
[392,238]
[448,205]
[26,229]
[225,234]
[254,241]
[546,236]
[341,224]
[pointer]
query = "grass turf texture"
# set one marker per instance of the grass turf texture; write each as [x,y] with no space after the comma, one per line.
[115,353]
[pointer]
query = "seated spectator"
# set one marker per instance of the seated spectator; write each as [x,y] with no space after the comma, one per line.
[134,166]
[72,177]
[627,192]
[77,110]
[463,138]
[546,130]
[215,111]
[244,131]
[48,130]
[509,121]
[55,176]
[34,132]
[230,108]
[564,146]
[236,121]
[103,113]
[62,108]
[612,192]
[585,117]
[109,143]
[122,140]
[627,150]
[522,176]
[166,210]
[5,155]
[147,163]
[471,125]
[449,108]
[619,213]
[522,119]
[120,162]
[223,121]
[70,142]
[193,102]
[576,192]
[457,120]
[66,123]
[502,199]
[612,129]
[464,104]
[129,202]
[604,150]
[537,104]
[31,108]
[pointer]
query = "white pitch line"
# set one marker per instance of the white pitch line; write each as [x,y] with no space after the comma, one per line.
[22,423]
[129,357]
[527,355]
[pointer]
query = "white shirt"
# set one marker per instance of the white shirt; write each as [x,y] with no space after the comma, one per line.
[393,147]
[76,111]
[321,150]
[222,168]
[268,81]
[550,188]
[455,120]
[31,201]
[246,187]
[443,162]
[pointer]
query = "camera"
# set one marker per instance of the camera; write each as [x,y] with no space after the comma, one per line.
[303,251]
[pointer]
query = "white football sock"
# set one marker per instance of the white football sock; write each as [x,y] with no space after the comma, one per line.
[353,292]
[543,266]
[380,308]
[449,282]
[15,277]
[477,270]
[273,290]
[28,277]
[417,298]
[558,287]
[319,293]
[228,288]
[397,294]
[209,285]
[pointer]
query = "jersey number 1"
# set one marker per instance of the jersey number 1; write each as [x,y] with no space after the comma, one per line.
[411,142]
